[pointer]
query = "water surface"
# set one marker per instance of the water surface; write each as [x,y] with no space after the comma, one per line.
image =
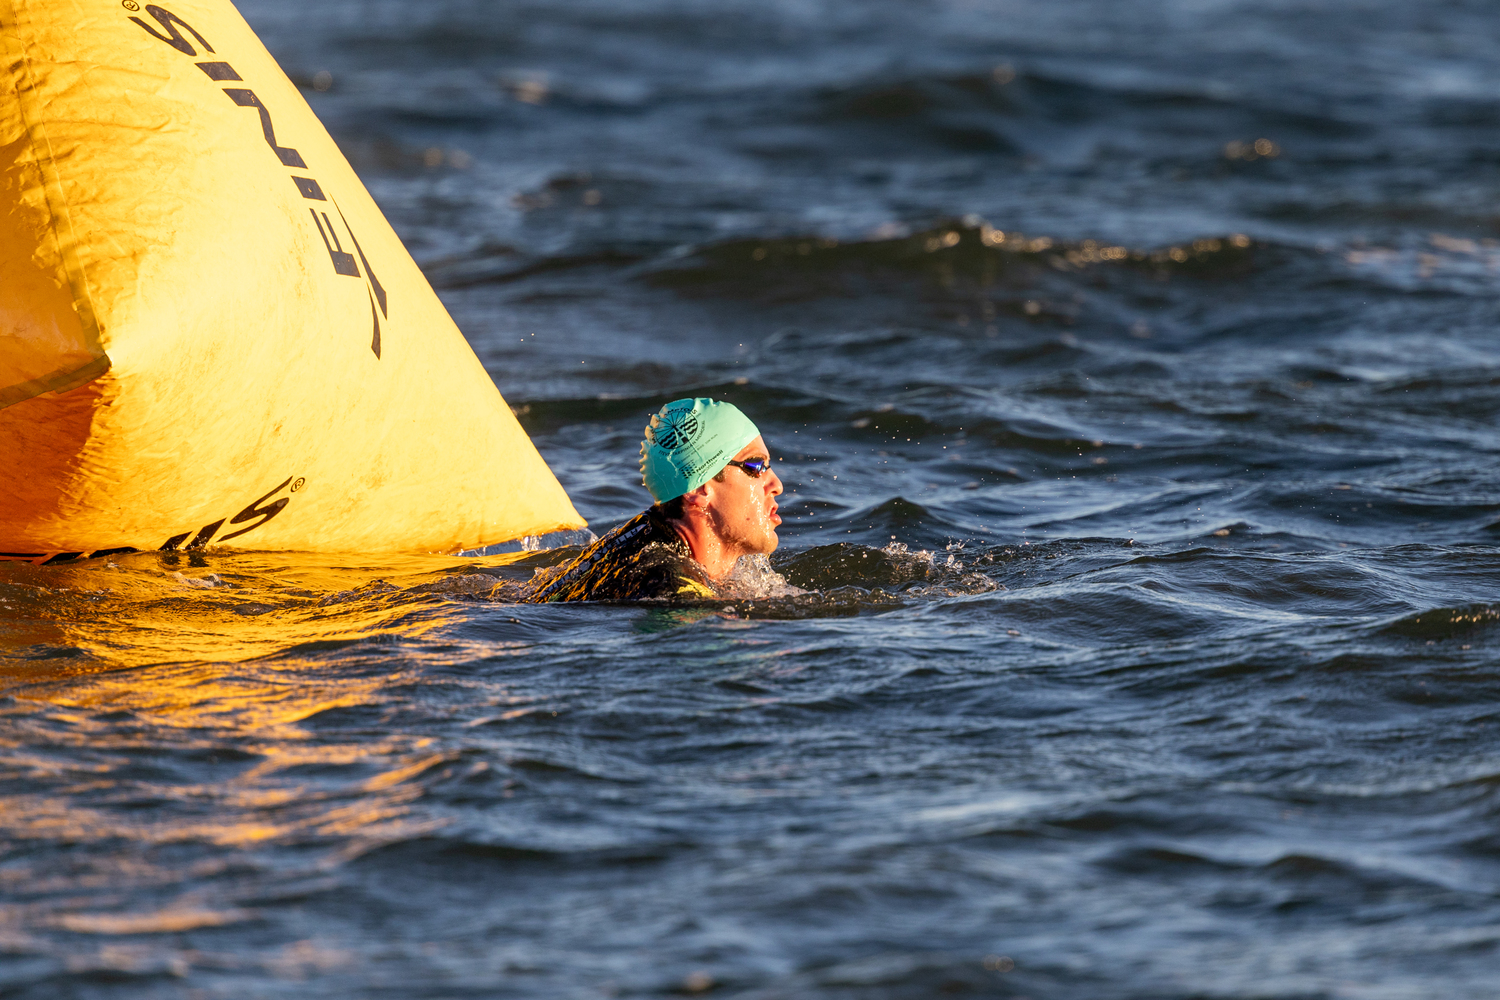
[1131,369]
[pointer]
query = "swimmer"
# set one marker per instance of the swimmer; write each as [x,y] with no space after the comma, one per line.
[708,469]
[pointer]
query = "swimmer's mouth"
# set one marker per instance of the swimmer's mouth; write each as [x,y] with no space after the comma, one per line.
[775,517]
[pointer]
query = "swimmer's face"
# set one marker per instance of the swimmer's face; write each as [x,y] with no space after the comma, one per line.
[742,508]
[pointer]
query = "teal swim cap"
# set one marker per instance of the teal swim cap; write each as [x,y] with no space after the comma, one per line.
[689,442]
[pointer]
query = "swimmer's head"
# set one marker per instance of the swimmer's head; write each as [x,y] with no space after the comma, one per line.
[722,513]
[689,442]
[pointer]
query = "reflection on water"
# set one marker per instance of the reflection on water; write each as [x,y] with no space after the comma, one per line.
[145,609]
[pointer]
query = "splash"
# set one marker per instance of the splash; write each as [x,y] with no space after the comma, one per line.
[894,567]
[753,577]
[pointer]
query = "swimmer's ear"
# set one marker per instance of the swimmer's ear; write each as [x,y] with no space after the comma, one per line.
[696,499]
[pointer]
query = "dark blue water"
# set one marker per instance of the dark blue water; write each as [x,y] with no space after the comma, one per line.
[1132,370]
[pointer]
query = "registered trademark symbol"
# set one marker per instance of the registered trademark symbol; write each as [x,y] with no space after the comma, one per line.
[130,5]
[298,484]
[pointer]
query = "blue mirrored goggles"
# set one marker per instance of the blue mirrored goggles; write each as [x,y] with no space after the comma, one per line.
[754,467]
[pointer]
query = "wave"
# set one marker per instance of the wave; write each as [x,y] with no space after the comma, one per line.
[1441,624]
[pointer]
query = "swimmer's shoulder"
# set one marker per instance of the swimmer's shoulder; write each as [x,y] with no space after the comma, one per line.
[577,580]
[642,559]
[690,589]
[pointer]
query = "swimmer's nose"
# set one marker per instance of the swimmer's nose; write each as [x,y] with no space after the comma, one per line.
[774,486]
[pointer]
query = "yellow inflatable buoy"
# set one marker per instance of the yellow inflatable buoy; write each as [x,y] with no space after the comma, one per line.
[209,334]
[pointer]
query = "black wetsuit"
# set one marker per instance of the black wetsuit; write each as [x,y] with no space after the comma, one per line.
[641,560]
